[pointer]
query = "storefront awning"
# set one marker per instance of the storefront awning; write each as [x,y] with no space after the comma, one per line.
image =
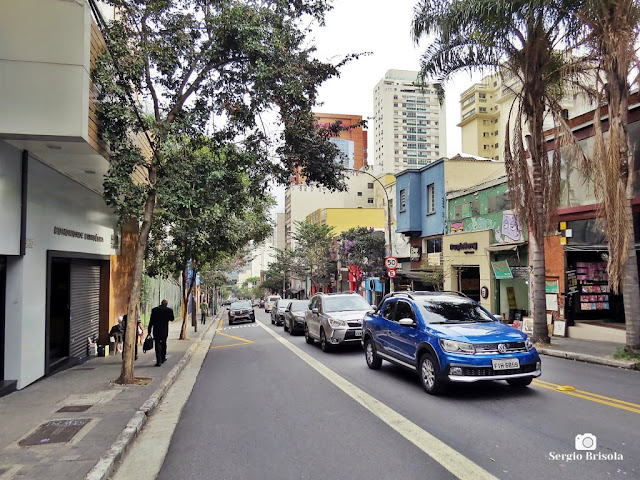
[503,247]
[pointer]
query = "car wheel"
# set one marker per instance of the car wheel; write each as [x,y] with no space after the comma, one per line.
[253,319]
[286,329]
[325,346]
[520,382]
[374,362]
[430,375]
[307,336]
[272,321]
[230,322]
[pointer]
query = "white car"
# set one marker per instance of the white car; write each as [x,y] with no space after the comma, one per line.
[270,301]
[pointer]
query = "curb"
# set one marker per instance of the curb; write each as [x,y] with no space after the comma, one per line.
[106,464]
[583,357]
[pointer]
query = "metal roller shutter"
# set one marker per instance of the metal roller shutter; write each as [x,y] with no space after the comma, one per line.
[85,305]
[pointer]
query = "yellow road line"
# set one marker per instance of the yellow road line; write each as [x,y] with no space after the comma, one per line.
[593,397]
[230,345]
[235,338]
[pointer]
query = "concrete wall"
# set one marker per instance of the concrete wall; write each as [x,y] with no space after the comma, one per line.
[44,68]
[54,201]
[10,198]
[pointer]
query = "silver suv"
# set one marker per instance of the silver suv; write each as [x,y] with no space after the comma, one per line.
[334,319]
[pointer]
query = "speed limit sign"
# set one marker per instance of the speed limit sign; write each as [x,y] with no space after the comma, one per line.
[391,262]
[391,273]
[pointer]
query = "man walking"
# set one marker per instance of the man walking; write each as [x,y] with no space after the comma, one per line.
[204,307]
[159,325]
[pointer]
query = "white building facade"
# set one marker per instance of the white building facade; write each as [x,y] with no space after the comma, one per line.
[58,235]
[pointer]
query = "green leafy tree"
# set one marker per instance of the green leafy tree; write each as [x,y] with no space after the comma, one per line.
[611,29]
[362,249]
[206,66]
[521,39]
[313,250]
[198,220]
[278,275]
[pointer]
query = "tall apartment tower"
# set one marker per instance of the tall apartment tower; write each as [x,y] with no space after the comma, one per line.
[352,143]
[410,123]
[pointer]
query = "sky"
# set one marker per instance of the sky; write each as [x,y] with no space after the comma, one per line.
[382,28]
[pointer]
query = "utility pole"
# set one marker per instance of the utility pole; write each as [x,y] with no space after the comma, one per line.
[390,243]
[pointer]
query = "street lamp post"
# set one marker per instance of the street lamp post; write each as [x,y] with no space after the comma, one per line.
[388,213]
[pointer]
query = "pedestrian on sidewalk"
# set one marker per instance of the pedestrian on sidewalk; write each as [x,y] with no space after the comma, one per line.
[159,329]
[204,307]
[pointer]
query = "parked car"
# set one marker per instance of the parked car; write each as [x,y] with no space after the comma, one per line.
[447,337]
[334,319]
[294,316]
[269,302]
[261,303]
[277,312]
[241,310]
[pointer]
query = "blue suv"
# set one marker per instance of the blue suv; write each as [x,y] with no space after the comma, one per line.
[447,337]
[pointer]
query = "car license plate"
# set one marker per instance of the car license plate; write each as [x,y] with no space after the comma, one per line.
[506,364]
[358,333]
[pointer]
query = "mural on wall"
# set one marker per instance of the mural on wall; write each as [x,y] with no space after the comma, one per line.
[511,230]
[457,227]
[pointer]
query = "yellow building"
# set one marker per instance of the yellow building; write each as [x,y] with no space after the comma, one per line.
[342,219]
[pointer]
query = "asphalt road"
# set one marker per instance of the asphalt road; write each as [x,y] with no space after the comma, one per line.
[269,406]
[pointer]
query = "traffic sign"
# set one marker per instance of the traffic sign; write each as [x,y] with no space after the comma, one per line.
[391,262]
[391,272]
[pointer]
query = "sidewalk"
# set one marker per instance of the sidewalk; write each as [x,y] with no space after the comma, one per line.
[100,420]
[589,351]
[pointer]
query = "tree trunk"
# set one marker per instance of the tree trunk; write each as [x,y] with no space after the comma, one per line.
[631,291]
[540,329]
[185,295]
[126,373]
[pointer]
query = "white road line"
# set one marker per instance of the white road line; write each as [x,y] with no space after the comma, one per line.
[452,460]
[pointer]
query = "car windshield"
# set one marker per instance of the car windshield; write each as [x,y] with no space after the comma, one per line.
[299,305]
[345,303]
[241,304]
[283,304]
[450,310]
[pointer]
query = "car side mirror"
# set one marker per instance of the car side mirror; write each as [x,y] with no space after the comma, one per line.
[407,322]
[314,311]
[374,308]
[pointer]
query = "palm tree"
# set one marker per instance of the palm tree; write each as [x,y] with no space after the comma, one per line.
[611,30]
[522,39]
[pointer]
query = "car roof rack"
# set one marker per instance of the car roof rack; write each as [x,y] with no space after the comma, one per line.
[413,294]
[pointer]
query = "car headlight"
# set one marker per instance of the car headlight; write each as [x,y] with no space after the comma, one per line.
[232,312]
[528,344]
[337,323]
[452,346]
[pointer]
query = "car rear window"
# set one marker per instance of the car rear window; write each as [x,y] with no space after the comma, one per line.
[346,303]
[272,299]
[299,305]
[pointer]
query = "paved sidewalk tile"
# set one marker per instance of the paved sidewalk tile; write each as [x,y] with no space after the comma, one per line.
[100,411]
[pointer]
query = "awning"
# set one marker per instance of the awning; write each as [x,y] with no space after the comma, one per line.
[503,247]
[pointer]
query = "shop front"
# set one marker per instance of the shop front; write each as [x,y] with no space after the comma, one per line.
[509,265]
[588,295]
[467,265]
[59,289]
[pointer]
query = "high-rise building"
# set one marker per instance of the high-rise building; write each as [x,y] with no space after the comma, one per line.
[484,112]
[409,120]
[352,143]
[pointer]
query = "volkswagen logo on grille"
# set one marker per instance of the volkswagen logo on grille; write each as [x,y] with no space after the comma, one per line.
[502,348]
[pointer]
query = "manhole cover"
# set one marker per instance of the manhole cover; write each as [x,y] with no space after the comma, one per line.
[57,431]
[74,408]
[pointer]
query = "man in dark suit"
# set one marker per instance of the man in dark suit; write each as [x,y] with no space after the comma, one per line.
[159,325]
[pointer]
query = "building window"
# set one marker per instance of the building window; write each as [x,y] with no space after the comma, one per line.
[359,194]
[431,198]
[369,200]
[403,200]
[369,185]
[485,134]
